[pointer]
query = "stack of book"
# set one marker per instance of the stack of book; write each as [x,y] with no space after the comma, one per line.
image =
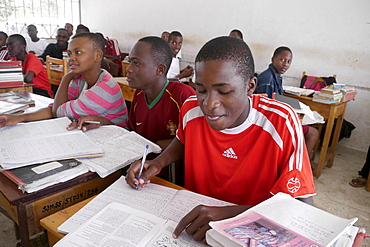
[328,95]
[348,92]
[11,74]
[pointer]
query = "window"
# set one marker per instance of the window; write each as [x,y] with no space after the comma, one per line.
[47,15]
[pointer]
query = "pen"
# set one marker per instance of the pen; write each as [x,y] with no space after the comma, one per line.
[92,122]
[142,162]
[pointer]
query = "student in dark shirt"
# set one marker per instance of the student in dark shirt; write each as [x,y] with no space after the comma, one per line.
[56,49]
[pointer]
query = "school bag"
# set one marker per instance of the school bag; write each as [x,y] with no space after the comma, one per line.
[316,83]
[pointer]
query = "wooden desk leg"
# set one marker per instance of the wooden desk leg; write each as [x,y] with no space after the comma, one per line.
[335,139]
[23,225]
[324,147]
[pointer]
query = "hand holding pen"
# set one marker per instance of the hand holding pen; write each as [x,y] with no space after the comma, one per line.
[142,163]
[86,123]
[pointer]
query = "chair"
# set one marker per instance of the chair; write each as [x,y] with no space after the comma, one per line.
[56,68]
[125,64]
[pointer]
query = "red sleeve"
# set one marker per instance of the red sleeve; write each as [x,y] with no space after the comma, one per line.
[188,105]
[33,64]
[296,176]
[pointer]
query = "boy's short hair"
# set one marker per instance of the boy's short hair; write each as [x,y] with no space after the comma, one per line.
[238,32]
[62,29]
[160,50]
[98,42]
[68,24]
[280,50]
[81,26]
[31,25]
[227,48]
[101,36]
[174,34]
[19,37]
[4,33]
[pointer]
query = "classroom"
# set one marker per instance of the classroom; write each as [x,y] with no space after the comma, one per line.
[326,37]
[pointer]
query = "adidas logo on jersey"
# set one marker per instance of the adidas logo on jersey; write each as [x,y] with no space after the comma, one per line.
[229,153]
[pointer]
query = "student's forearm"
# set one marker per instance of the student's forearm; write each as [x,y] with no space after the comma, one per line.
[28,77]
[42,114]
[172,153]
[164,143]
[308,200]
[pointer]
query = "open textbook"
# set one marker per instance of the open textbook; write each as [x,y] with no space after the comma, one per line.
[120,225]
[160,201]
[281,220]
[43,141]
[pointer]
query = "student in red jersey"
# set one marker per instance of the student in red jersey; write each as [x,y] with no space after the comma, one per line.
[238,147]
[155,109]
[87,92]
[32,69]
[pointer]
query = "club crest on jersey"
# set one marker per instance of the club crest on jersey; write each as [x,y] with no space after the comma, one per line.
[293,185]
[229,153]
[172,127]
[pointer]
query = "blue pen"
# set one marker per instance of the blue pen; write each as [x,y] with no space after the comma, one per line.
[142,162]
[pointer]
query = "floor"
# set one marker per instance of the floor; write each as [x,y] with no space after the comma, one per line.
[334,195]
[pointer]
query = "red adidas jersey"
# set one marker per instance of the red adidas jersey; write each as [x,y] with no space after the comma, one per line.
[246,164]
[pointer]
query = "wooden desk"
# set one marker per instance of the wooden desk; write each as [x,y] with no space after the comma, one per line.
[28,209]
[128,93]
[27,87]
[329,112]
[52,222]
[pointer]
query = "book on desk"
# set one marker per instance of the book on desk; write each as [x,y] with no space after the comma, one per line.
[111,148]
[284,221]
[14,97]
[11,74]
[11,108]
[39,176]
[157,209]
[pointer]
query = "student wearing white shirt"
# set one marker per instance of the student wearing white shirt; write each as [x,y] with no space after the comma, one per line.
[175,42]
[34,44]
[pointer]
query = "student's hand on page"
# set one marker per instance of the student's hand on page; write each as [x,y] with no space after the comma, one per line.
[151,168]
[195,223]
[86,123]
[9,120]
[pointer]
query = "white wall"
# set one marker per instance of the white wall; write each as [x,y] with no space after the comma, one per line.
[326,37]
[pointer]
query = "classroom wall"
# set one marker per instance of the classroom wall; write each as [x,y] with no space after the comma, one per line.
[326,37]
